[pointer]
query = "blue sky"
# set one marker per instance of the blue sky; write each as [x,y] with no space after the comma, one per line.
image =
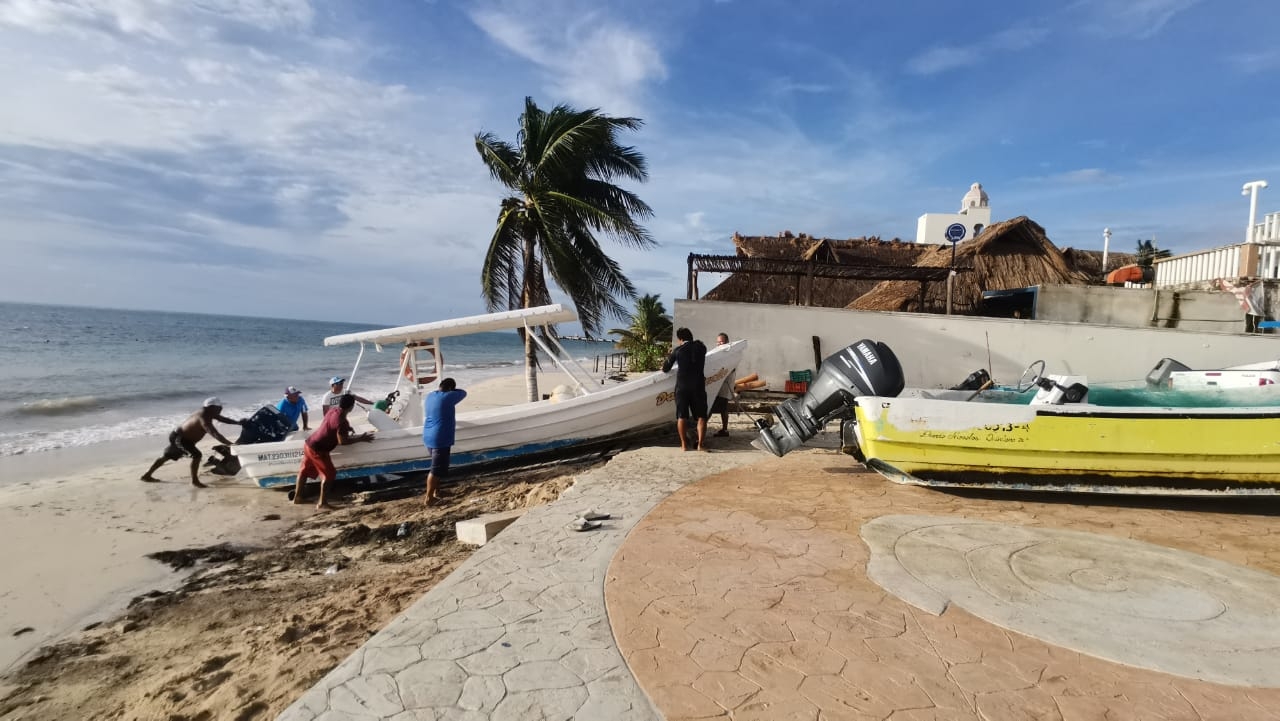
[315,159]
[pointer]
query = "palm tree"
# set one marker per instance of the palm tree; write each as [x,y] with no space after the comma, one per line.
[646,340]
[560,171]
[1148,253]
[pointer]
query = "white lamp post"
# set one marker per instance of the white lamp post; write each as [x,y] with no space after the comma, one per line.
[1251,189]
[1106,246]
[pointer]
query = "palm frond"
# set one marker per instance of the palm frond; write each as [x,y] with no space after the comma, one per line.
[502,276]
[502,160]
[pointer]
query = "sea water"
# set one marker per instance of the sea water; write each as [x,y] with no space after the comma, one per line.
[78,376]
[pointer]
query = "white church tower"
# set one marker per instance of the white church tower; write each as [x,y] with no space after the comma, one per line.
[974,215]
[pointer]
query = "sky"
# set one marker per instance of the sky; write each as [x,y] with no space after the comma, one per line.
[315,158]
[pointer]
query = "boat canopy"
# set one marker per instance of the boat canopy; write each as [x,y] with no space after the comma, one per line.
[507,320]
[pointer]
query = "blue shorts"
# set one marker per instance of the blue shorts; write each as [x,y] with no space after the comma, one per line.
[440,462]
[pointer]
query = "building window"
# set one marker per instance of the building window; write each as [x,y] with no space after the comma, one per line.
[977,229]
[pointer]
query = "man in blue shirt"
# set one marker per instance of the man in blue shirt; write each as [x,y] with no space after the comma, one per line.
[292,406]
[437,431]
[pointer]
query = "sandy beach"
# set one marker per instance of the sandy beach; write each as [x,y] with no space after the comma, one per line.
[79,527]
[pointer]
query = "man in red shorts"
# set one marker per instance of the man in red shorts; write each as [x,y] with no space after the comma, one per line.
[332,432]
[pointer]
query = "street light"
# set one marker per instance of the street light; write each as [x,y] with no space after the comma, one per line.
[1106,246]
[1251,189]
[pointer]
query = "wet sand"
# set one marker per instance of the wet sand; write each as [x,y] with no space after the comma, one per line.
[78,525]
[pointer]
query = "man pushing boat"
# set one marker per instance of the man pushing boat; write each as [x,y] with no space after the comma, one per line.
[183,439]
[332,432]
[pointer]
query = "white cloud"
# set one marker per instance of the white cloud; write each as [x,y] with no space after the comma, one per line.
[949,57]
[1137,18]
[591,62]
[941,59]
[1261,61]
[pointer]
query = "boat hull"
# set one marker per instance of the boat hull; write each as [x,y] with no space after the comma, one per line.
[502,434]
[946,443]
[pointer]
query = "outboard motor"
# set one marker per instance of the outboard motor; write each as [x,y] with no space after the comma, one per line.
[865,368]
[266,425]
[1159,376]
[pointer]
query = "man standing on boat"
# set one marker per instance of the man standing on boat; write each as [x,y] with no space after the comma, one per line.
[331,396]
[332,432]
[689,356]
[183,439]
[438,408]
[292,406]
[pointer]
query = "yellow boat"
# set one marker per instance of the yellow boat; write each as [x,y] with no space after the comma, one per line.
[1058,442]
[1074,447]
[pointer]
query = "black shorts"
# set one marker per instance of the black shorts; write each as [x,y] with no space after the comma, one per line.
[719,405]
[691,403]
[179,447]
[440,462]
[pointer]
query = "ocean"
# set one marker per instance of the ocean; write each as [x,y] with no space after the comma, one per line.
[80,376]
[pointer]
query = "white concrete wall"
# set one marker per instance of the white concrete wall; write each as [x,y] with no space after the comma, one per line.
[939,351]
[1192,310]
[932,227]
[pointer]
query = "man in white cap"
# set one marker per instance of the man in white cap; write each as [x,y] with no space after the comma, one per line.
[183,439]
[331,396]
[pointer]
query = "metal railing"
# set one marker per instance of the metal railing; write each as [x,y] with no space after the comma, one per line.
[613,362]
[1268,230]
[1204,265]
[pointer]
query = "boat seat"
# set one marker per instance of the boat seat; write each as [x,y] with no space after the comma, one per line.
[383,422]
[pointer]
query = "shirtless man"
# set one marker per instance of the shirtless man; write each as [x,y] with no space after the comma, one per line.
[183,439]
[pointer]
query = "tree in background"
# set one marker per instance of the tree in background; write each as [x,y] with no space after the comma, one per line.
[1148,253]
[560,171]
[648,339]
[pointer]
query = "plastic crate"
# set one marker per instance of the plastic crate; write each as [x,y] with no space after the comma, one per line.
[797,386]
[803,376]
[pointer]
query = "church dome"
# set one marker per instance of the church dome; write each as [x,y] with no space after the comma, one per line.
[975,198]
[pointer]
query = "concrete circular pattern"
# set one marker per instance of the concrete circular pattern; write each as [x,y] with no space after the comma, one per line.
[1127,601]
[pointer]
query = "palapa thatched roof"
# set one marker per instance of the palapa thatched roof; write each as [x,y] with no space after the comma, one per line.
[1089,262]
[1010,254]
[1013,253]
[826,292]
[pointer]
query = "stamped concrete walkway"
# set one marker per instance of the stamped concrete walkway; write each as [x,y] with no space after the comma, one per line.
[519,630]
[746,595]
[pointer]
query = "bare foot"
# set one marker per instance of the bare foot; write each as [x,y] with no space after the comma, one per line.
[196,482]
[702,448]
[147,477]
[324,507]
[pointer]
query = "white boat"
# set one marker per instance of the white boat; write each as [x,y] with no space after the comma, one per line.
[1171,374]
[593,414]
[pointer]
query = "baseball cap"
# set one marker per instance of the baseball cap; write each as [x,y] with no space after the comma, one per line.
[292,390]
[212,401]
[337,379]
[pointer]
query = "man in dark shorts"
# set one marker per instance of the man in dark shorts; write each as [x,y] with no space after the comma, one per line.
[721,403]
[688,357]
[438,410]
[183,439]
[332,432]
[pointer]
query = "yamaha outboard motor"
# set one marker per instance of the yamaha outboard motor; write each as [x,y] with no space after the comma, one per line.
[266,425]
[866,368]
